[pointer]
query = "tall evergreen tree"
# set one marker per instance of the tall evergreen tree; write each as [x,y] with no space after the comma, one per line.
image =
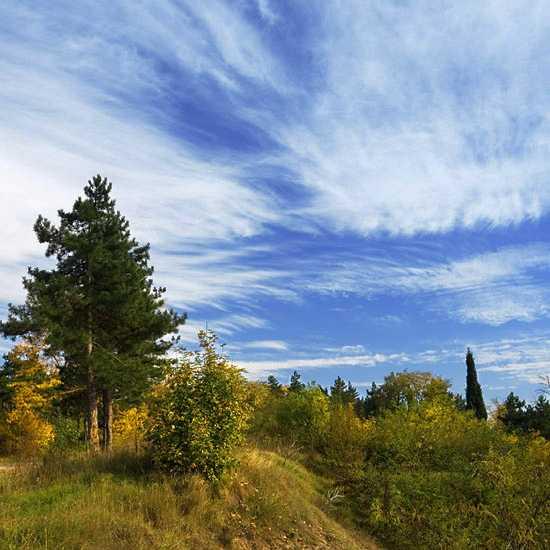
[274,385]
[98,306]
[538,416]
[474,396]
[371,404]
[513,415]
[295,384]
[8,370]
[338,390]
[352,395]
[342,393]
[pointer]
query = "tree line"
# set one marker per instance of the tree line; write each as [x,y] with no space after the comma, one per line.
[416,464]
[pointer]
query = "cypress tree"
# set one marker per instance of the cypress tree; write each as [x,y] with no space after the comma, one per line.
[474,396]
[98,306]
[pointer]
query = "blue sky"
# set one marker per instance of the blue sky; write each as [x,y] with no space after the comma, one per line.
[343,188]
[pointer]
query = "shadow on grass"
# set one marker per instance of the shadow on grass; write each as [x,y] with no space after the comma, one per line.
[121,464]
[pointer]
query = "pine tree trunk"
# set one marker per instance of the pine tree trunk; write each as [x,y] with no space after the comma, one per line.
[107,421]
[93,428]
[92,425]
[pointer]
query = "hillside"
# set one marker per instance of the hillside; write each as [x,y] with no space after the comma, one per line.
[108,503]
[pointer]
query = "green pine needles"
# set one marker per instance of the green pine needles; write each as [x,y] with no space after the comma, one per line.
[98,306]
[474,396]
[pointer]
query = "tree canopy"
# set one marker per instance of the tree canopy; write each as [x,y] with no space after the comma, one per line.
[407,389]
[98,306]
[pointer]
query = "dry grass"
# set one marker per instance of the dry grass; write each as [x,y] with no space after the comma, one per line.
[118,503]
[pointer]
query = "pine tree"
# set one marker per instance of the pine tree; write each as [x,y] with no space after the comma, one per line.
[343,393]
[295,384]
[352,395]
[538,416]
[7,373]
[474,396]
[371,404]
[274,385]
[513,414]
[98,306]
[338,390]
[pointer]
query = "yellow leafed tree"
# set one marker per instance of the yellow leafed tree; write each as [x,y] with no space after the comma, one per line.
[27,432]
[129,427]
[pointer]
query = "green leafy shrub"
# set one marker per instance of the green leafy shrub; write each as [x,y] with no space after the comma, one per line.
[346,438]
[438,478]
[304,415]
[200,413]
[66,435]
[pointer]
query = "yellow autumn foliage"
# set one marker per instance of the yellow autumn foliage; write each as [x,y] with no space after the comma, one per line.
[539,450]
[26,432]
[129,427]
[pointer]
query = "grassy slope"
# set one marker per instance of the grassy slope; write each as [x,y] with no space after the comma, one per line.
[114,504]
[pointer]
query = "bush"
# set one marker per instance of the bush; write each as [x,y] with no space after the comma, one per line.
[301,417]
[25,434]
[438,478]
[32,379]
[66,435]
[200,413]
[346,439]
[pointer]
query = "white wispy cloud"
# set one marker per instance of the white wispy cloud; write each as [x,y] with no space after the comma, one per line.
[266,11]
[223,325]
[415,121]
[64,120]
[386,145]
[527,372]
[501,363]
[489,287]
[426,122]
[348,350]
[259,369]
[523,357]
[216,283]
[498,305]
[268,345]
